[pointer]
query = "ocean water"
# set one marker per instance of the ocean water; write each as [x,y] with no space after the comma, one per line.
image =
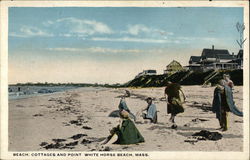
[18,92]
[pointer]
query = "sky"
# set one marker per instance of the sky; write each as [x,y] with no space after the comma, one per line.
[112,44]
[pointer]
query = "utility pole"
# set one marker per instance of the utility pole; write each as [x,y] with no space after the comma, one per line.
[240,28]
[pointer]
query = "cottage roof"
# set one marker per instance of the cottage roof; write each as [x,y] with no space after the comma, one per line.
[216,53]
[195,58]
[239,61]
[222,56]
[240,54]
[174,62]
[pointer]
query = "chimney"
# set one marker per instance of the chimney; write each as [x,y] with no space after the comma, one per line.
[212,47]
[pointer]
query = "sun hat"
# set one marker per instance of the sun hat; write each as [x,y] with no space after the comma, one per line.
[124,114]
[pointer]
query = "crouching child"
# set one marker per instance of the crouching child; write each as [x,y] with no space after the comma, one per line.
[151,112]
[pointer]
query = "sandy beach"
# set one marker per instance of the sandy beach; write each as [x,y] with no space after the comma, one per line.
[79,120]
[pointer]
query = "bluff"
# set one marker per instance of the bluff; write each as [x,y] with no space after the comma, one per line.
[187,78]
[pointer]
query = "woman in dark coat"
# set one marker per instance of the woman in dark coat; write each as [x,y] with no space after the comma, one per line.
[175,99]
[223,103]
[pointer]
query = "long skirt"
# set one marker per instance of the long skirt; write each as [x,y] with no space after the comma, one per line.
[174,109]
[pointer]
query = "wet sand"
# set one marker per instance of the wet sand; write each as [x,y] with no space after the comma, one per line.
[77,120]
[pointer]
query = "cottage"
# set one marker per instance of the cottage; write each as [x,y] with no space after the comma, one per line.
[146,72]
[240,54]
[173,67]
[213,59]
[195,63]
[239,59]
[217,59]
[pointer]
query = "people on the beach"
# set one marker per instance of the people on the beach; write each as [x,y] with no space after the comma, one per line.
[125,133]
[123,106]
[175,99]
[223,103]
[151,112]
[227,81]
[127,94]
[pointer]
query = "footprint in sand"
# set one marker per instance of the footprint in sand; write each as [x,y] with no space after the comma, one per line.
[53,146]
[21,106]
[37,115]
[86,127]
[78,136]
[85,141]
[58,140]
[72,143]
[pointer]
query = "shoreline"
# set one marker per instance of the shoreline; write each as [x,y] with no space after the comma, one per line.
[47,94]
[124,88]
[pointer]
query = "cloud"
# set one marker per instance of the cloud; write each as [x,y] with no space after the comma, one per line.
[47,23]
[74,27]
[131,39]
[65,49]
[142,29]
[136,29]
[196,38]
[29,31]
[96,50]
[65,35]
[110,50]
[14,34]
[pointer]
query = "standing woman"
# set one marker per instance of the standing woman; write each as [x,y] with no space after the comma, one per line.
[223,103]
[175,98]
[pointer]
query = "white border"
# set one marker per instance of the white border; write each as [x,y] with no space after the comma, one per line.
[153,155]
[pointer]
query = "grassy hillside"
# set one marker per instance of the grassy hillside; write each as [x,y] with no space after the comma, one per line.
[186,78]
